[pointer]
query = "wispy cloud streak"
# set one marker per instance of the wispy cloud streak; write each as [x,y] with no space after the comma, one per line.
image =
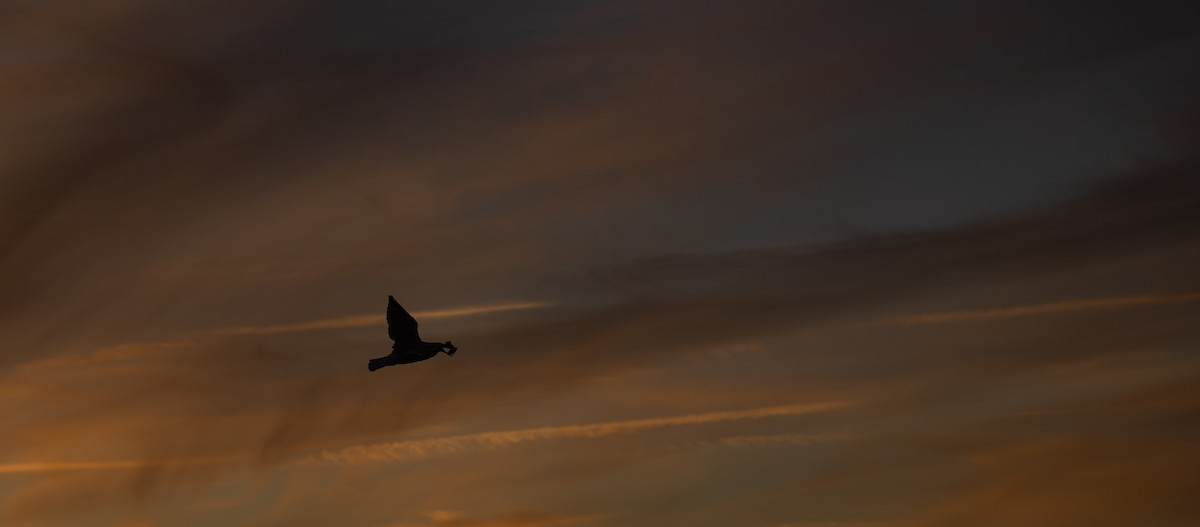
[1042,309]
[758,441]
[358,321]
[61,466]
[424,448]
[115,464]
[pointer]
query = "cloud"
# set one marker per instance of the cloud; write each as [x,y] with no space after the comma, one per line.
[378,320]
[68,465]
[1065,306]
[834,524]
[285,395]
[1075,481]
[758,441]
[138,464]
[275,154]
[422,448]
[262,170]
[511,519]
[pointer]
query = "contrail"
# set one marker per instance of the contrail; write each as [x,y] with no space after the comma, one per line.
[359,321]
[484,441]
[137,350]
[58,466]
[118,464]
[1040,309]
[423,448]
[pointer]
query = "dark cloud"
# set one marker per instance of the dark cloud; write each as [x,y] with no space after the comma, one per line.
[270,399]
[189,141]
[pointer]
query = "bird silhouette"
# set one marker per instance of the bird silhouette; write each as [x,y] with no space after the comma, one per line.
[408,347]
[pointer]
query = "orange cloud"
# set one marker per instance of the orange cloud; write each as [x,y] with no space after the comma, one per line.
[58,466]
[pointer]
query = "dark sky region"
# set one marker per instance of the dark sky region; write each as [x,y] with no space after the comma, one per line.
[805,263]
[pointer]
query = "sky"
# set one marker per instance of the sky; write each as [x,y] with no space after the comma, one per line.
[806,263]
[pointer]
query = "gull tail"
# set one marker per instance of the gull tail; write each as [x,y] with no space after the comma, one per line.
[375,364]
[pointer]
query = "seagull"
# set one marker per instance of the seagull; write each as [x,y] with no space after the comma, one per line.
[408,347]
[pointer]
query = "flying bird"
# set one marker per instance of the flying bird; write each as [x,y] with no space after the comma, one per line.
[408,347]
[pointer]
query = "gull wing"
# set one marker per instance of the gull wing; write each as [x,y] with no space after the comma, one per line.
[402,327]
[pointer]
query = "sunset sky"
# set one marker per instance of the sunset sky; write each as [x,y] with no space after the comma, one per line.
[804,263]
